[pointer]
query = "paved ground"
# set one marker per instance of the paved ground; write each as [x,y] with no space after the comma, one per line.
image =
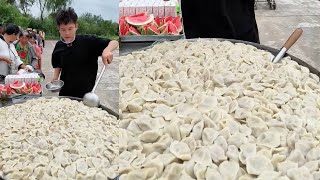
[108,88]
[275,27]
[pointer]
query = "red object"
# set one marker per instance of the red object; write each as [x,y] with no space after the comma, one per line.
[23,55]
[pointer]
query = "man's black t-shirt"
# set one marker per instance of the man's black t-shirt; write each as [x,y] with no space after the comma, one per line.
[231,19]
[78,63]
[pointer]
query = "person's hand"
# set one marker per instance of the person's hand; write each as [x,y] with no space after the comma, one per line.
[29,68]
[107,57]
[8,61]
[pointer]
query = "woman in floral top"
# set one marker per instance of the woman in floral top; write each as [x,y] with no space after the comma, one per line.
[26,51]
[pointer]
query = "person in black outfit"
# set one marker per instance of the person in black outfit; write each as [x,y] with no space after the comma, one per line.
[75,57]
[220,19]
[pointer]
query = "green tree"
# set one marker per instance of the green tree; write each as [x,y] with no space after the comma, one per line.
[11,14]
[12,2]
[54,6]
[42,4]
[25,5]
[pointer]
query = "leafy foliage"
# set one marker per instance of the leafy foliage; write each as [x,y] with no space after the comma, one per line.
[88,23]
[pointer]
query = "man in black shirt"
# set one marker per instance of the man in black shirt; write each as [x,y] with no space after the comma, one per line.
[75,57]
[220,19]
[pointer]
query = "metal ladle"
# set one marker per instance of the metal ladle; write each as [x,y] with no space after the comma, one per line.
[91,99]
[291,40]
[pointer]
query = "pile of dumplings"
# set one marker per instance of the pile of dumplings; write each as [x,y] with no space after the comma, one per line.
[57,139]
[217,110]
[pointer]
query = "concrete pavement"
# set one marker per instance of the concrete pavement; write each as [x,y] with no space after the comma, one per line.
[275,26]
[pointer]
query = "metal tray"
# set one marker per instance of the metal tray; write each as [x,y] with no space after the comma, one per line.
[24,99]
[259,46]
[150,38]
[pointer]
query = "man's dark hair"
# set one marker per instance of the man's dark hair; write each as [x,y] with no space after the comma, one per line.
[66,16]
[12,29]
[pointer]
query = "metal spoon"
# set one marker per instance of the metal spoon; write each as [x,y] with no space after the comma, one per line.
[291,40]
[91,99]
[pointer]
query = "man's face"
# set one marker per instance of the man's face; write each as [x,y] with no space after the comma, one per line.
[24,39]
[68,31]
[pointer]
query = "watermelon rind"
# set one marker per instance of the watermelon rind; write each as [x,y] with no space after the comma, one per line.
[139,20]
[17,85]
[152,30]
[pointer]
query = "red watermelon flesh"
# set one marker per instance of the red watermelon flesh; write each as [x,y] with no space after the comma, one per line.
[133,31]
[177,22]
[153,30]
[17,85]
[34,89]
[157,21]
[167,19]
[172,29]
[38,86]
[139,19]
[122,26]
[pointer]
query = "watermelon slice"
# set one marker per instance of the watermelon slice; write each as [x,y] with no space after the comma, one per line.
[17,85]
[164,29]
[144,29]
[133,31]
[126,30]
[34,90]
[167,19]
[177,22]
[152,30]
[122,26]
[139,19]
[157,21]
[172,29]
[26,90]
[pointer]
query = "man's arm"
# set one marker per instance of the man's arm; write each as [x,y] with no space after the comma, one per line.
[107,54]
[56,73]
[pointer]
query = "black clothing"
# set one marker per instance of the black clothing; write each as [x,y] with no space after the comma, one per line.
[79,64]
[231,19]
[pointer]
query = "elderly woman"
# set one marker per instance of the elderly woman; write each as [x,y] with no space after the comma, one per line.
[10,61]
[26,51]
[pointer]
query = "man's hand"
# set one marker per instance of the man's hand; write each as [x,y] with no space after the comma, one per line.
[107,57]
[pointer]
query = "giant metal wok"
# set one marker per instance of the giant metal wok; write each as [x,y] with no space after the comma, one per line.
[259,46]
[8,103]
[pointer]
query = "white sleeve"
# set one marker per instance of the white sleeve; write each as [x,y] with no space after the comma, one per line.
[17,58]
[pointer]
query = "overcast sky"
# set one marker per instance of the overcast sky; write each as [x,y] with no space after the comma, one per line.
[108,9]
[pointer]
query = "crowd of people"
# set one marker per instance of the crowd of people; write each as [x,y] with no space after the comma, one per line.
[74,58]
[20,49]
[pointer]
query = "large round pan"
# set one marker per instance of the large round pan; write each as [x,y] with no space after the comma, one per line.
[8,103]
[259,46]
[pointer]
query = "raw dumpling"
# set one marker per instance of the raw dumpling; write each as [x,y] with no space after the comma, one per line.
[257,164]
